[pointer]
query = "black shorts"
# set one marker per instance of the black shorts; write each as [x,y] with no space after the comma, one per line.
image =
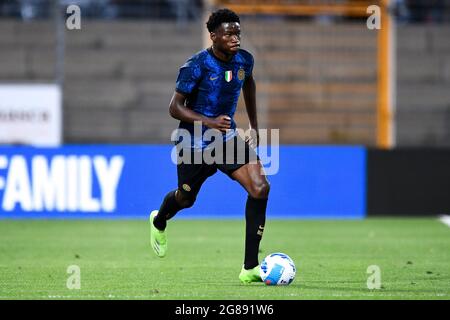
[192,174]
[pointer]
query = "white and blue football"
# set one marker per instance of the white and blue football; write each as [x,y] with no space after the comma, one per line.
[277,269]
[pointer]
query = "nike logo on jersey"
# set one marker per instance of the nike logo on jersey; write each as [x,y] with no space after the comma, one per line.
[213,78]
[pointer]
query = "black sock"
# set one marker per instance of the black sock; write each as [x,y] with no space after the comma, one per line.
[168,209]
[255,218]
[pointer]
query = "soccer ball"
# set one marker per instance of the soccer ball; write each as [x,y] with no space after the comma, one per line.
[277,269]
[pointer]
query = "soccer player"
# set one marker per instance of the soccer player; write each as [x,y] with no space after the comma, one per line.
[207,90]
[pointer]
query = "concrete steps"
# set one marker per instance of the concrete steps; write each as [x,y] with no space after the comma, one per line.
[316,83]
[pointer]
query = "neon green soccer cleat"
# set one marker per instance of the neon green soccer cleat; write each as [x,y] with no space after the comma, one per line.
[249,276]
[158,238]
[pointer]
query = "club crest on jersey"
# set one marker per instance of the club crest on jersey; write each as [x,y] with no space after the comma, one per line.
[228,75]
[241,74]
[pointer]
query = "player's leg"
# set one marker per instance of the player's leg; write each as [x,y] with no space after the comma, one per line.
[190,179]
[251,176]
[173,202]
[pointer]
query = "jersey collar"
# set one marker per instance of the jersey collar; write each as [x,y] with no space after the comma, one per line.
[211,52]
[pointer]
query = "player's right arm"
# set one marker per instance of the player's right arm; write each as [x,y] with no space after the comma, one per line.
[188,79]
[179,111]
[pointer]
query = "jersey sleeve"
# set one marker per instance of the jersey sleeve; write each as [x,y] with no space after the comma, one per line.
[251,62]
[188,77]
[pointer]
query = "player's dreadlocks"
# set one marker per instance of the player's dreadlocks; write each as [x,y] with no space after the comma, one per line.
[220,16]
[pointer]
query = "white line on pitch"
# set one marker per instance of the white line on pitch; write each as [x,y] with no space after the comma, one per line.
[445,219]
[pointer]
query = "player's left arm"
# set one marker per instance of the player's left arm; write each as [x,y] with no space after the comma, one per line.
[249,90]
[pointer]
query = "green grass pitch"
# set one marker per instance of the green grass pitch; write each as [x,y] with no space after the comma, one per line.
[205,257]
